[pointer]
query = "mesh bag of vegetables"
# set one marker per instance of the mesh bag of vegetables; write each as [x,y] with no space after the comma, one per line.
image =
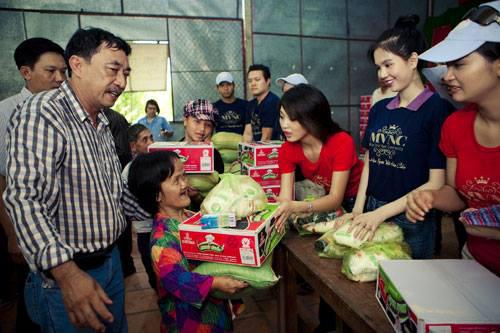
[362,264]
[257,277]
[237,194]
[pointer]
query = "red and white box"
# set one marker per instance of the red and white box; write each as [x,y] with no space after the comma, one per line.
[365,98]
[271,192]
[244,245]
[455,296]
[268,175]
[197,158]
[259,153]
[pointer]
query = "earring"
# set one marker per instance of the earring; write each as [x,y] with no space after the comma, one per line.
[158,197]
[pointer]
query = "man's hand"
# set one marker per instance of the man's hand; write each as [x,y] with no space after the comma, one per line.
[83,297]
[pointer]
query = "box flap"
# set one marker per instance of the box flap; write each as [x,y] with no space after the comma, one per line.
[447,290]
[180,144]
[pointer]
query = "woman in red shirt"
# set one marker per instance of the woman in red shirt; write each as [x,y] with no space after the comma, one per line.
[325,153]
[470,137]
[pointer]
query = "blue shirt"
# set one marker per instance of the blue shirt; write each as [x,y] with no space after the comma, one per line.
[403,144]
[265,114]
[155,126]
[232,117]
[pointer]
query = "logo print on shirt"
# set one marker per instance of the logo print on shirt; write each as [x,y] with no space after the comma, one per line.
[386,142]
[481,189]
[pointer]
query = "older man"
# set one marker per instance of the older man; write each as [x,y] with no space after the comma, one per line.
[65,194]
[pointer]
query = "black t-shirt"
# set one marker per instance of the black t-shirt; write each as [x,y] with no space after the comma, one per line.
[232,117]
[265,114]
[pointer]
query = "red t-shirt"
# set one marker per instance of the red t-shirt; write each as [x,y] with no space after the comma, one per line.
[337,154]
[477,177]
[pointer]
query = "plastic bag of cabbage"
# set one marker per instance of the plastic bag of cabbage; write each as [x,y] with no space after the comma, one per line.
[257,277]
[237,194]
[336,243]
[386,232]
[362,264]
[301,220]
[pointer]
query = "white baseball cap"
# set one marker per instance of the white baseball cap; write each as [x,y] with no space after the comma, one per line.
[293,79]
[224,77]
[466,37]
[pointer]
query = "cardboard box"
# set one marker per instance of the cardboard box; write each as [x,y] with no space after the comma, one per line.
[365,98]
[197,158]
[259,153]
[439,296]
[271,192]
[244,245]
[268,175]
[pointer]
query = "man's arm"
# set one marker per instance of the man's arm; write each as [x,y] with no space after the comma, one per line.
[8,227]
[35,149]
[247,134]
[267,134]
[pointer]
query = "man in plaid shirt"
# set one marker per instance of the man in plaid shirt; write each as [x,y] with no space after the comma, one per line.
[65,194]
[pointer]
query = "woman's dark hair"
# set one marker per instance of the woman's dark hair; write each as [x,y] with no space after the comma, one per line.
[152,102]
[490,50]
[402,40]
[307,105]
[134,131]
[146,174]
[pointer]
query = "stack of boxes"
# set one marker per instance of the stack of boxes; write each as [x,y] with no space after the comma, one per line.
[259,160]
[197,157]
[364,109]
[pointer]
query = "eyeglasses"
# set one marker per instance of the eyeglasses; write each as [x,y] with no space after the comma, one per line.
[484,15]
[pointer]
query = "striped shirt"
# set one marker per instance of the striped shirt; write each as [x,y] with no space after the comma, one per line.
[64,191]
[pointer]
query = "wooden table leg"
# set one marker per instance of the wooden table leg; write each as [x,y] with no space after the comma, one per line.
[287,299]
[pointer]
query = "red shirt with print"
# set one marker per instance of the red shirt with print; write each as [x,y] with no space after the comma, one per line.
[337,154]
[477,177]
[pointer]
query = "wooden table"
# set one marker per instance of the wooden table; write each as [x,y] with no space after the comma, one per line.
[353,302]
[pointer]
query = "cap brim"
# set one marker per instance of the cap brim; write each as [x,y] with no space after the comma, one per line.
[280,81]
[450,50]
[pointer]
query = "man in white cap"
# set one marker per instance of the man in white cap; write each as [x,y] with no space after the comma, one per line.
[232,110]
[287,83]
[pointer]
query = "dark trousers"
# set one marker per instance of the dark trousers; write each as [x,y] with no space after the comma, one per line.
[12,282]
[143,243]
[124,243]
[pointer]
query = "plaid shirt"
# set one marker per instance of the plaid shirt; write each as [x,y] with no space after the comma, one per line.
[64,190]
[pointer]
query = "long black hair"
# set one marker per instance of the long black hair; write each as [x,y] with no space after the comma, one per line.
[403,39]
[146,174]
[309,106]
